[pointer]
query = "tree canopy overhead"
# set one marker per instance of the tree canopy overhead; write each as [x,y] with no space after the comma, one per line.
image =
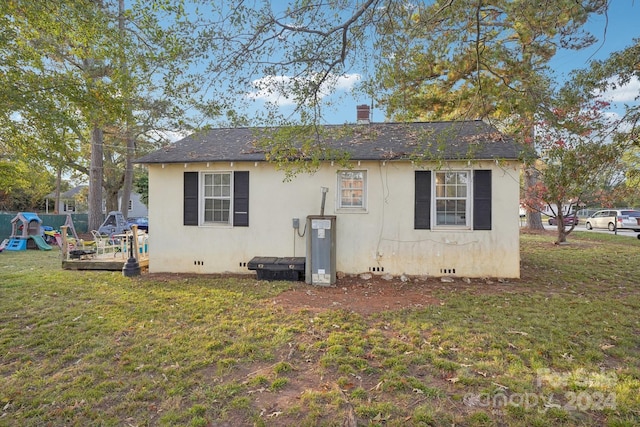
[297,52]
[483,59]
[83,73]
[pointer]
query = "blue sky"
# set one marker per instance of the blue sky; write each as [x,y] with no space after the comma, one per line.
[617,34]
[613,35]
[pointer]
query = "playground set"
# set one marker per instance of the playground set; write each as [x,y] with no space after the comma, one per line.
[116,245]
[26,233]
[113,247]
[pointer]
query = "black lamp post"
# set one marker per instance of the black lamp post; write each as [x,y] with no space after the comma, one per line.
[131,268]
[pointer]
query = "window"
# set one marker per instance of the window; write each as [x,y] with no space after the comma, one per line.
[458,199]
[69,206]
[216,198]
[451,192]
[352,189]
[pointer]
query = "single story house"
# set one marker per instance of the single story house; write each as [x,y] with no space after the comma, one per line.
[424,199]
[71,201]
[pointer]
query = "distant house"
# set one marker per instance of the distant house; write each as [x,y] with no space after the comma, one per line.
[71,202]
[136,208]
[424,199]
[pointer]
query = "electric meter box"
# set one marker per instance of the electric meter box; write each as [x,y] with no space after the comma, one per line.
[320,267]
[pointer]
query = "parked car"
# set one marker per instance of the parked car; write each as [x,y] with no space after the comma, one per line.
[611,219]
[568,220]
[142,222]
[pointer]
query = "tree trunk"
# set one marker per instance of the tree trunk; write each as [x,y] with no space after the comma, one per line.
[562,231]
[57,195]
[128,171]
[534,218]
[128,175]
[111,200]
[95,179]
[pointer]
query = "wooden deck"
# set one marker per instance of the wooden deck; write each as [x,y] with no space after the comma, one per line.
[104,257]
[102,262]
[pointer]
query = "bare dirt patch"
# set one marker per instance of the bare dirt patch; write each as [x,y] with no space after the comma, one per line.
[368,296]
[372,295]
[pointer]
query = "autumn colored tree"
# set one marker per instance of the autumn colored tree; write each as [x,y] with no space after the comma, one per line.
[574,155]
[588,154]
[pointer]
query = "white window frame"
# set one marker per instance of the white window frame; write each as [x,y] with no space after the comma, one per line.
[220,197]
[451,192]
[69,205]
[342,179]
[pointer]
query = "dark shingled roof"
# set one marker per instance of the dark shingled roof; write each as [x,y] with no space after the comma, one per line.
[374,141]
[69,194]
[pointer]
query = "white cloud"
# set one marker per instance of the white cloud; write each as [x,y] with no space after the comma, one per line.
[167,135]
[346,82]
[272,89]
[280,90]
[626,93]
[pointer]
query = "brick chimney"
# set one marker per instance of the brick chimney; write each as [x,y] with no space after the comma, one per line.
[363,114]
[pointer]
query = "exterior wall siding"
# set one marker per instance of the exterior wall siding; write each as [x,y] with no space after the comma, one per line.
[379,239]
[137,207]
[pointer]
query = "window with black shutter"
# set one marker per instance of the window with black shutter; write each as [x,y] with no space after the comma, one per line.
[222,202]
[452,199]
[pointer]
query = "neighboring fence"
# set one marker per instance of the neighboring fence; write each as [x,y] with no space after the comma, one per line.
[80,222]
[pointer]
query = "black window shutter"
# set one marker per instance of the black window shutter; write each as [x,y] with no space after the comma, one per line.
[422,214]
[190,215]
[482,200]
[241,199]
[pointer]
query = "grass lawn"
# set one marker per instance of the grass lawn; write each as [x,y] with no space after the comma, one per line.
[561,346]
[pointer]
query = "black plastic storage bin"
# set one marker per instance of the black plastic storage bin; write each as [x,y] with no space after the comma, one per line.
[274,268]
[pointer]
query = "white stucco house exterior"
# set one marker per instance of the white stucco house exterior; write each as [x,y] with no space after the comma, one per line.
[424,199]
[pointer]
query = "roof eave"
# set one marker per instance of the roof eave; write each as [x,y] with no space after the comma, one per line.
[363,159]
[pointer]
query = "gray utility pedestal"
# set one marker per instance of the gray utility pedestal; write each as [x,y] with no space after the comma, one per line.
[321,250]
